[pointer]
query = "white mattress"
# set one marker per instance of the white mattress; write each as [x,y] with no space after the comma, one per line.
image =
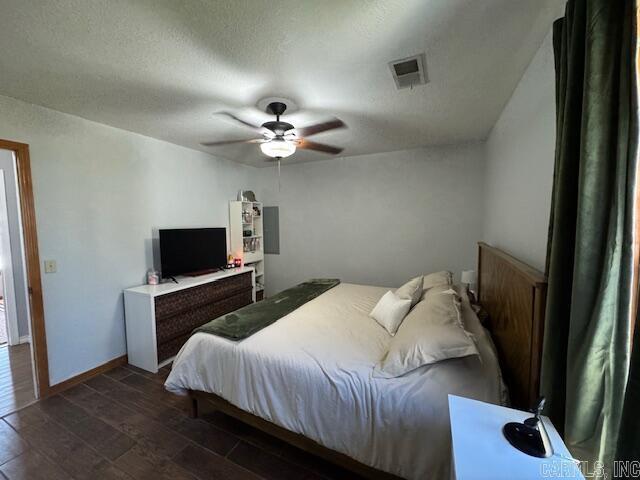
[311,373]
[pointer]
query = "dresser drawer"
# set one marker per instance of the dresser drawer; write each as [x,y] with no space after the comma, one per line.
[185,322]
[171,304]
[172,347]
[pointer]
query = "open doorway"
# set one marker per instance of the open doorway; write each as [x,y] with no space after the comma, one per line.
[22,243]
[17,381]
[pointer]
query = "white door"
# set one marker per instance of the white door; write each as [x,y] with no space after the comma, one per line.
[7,268]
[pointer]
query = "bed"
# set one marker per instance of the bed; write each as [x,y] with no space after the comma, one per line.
[308,379]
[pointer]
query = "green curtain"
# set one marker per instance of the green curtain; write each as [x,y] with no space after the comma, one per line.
[589,262]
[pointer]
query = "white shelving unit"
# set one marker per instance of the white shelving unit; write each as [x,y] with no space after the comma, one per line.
[246,238]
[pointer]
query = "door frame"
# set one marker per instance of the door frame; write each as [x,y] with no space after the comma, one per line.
[32,258]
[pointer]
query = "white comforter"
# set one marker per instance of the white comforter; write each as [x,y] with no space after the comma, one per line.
[311,373]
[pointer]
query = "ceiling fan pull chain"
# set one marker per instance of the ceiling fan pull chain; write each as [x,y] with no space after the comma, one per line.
[279,184]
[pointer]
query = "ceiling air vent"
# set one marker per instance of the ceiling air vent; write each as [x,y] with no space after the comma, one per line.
[408,72]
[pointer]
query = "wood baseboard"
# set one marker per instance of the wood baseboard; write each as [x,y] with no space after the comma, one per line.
[83,377]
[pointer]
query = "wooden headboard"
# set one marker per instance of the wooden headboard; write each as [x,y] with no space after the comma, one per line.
[514,296]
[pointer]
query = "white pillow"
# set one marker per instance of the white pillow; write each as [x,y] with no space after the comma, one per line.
[411,290]
[390,311]
[432,332]
[436,279]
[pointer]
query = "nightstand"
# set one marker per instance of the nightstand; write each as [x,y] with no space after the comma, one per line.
[480,450]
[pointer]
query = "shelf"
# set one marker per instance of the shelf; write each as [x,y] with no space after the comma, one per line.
[255,256]
[248,217]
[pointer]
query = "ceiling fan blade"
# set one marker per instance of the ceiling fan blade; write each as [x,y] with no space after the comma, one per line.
[230,142]
[305,144]
[257,128]
[319,127]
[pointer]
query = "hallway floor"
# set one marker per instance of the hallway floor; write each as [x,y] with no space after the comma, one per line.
[16,378]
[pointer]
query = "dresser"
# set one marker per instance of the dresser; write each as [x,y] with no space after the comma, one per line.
[160,318]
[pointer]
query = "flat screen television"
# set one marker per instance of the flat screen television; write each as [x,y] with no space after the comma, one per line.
[194,251]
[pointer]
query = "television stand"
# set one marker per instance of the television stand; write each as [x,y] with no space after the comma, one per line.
[199,273]
[161,318]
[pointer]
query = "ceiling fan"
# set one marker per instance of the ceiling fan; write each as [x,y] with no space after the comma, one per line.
[281,139]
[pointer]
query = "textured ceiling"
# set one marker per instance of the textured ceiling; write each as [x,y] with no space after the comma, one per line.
[163,67]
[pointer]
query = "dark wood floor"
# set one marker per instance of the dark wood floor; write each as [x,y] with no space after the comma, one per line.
[16,378]
[124,425]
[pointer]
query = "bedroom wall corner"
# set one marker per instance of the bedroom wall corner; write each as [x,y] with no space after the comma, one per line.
[100,193]
[519,164]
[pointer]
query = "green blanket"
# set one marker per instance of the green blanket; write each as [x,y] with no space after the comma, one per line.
[248,320]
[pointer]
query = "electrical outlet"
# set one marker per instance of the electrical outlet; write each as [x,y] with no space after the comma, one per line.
[50,266]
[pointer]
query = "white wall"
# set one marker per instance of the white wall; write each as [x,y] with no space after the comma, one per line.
[99,194]
[520,159]
[377,219]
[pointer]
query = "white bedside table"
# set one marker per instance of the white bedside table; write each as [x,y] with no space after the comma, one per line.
[480,450]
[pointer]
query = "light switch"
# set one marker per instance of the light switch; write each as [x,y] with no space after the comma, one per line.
[50,266]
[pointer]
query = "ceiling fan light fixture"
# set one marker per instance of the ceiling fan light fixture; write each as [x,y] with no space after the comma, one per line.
[279,139]
[278,148]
